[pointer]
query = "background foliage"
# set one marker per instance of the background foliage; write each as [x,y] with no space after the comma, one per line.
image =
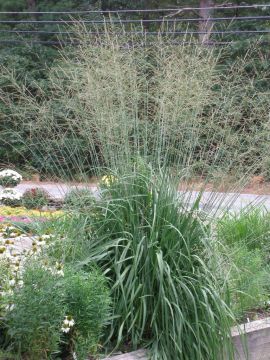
[30,66]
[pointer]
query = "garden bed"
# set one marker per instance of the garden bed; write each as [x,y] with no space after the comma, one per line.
[58,250]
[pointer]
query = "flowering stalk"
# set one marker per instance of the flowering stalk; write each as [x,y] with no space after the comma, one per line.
[68,323]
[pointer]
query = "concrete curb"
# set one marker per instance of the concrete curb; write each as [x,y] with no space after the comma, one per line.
[255,345]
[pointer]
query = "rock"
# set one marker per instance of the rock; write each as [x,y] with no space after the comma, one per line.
[35,177]
[257,180]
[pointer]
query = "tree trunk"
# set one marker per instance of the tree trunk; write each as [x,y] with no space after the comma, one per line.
[205,26]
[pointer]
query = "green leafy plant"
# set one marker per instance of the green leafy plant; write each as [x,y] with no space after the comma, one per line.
[79,199]
[245,237]
[4,277]
[38,325]
[88,301]
[34,323]
[250,228]
[35,198]
[248,279]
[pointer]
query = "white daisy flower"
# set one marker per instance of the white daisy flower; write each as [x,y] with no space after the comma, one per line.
[10,173]
[12,282]
[59,269]
[9,242]
[60,273]
[69,321]
[45,236]
[9,307]
[20,283]
[13,235]
[10,194]
[65,329]
[40,242]
[35,249]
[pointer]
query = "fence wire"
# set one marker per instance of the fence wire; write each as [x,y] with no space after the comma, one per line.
[37,27]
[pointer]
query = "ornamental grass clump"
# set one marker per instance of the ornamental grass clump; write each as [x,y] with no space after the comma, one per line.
[118,95]
[156,253]
[117,99]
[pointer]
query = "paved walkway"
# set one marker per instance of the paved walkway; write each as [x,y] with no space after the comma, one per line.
[56,190]
[232,201]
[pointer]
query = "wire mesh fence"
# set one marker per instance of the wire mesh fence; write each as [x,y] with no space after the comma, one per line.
[216,25]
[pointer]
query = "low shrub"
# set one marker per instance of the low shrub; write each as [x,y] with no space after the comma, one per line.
[35,321]
[250,228]
[35,198]
[245,237]
[10,197]
[9,178]
[248,279]
[57,315]
[79,199]
[87,299]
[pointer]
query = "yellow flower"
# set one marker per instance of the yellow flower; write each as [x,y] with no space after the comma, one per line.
[108,180]
[22,211]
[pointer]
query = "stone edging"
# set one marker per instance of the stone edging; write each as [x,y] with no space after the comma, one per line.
[257,342]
